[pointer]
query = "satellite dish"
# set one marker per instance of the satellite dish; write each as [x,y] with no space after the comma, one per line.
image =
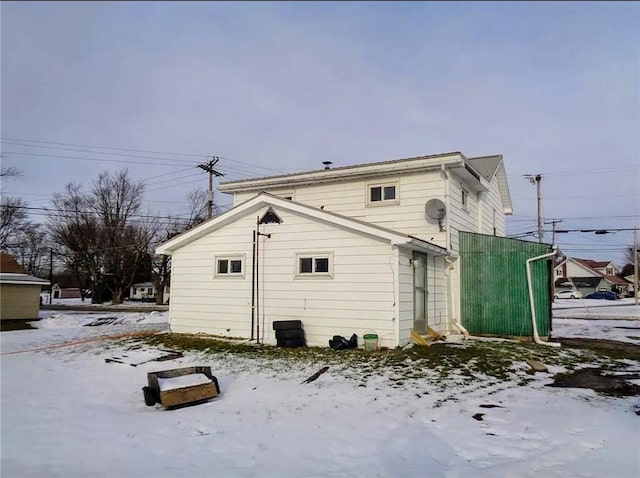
[436,210]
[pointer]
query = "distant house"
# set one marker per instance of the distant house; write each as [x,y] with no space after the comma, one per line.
[65,293]
[589,276]
[20,295]
[146,292]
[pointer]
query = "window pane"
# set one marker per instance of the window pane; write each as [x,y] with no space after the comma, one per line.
[376,194]
[223,266]
[322,264]
[389,192]
[306,265]
[236,267]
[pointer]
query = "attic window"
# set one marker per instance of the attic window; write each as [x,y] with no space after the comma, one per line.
[270,217]
[384,193]
[464,198]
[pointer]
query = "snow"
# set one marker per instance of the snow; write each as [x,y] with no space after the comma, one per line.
[597,319]
[183,381]
[67,413]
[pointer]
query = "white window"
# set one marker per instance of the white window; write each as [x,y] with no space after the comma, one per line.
[317,264]
[382,193]
[609,271]
[232,266]
[464,198]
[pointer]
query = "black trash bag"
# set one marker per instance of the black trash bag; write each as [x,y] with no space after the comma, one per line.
[338,342]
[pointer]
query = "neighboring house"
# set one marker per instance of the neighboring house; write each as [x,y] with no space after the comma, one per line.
[346,250]
[146,292]
[20,296]
[589,276]
[65,293]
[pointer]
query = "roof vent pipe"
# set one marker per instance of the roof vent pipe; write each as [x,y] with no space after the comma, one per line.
[327,164]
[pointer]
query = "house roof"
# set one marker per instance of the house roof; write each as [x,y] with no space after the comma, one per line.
[487,166]
[8,263]
[478,177]
[265,199]
[592,264]
[24,279]
[143,284]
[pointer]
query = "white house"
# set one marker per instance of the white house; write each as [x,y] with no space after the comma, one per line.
[589,276]
[146,291]
[345,250]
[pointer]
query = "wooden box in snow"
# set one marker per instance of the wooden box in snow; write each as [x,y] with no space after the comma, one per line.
[183,385]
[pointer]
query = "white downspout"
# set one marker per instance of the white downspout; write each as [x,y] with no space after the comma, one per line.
[454,319]
[536,337]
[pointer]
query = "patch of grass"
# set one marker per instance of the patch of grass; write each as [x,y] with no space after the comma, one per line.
[476,363]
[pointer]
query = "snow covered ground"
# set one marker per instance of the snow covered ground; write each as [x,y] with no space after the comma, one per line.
[597,319]
[67,413]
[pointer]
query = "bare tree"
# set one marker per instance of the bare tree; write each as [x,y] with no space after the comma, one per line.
[97,234]
[30,248]
[75,234]
[13,217]
[10,172]
[161,264]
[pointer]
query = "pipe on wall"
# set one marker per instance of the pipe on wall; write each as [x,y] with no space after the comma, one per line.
[454,319]
[536,337]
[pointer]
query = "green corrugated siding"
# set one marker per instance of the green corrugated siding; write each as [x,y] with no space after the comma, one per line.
[494,294]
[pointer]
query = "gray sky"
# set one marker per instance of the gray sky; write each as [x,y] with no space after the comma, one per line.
[281,87]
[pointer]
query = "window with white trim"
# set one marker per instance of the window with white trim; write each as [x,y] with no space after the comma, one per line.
[318,264]
[382,193]
[231,266]
[464,198]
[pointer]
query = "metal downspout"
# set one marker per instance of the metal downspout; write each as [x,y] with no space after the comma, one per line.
[454,319]
[536,337]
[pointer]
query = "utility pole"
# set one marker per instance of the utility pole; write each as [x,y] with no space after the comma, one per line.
[537,179]
[208,167]
[50,275]
[635,264]
[553,222]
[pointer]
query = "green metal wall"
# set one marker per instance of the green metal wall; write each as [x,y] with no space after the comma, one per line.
[494,293]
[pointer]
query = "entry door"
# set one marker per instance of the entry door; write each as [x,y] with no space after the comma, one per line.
[420,292]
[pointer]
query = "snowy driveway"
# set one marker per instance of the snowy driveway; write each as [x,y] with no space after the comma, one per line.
[67,413]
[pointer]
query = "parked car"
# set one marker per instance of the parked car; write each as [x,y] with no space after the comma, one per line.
[602,294]
[568,294]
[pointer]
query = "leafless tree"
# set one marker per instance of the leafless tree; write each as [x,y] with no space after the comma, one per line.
[13,217]
[76,238]
[30,248]
[98,236]
[9,172]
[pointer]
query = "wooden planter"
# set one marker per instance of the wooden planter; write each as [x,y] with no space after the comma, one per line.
[182,386]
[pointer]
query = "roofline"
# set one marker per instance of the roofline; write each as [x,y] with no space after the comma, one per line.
[344,172]
[30,281]
[395,238]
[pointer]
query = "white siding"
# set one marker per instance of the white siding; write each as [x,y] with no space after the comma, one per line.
[349,198]
[438,299]
[361,296]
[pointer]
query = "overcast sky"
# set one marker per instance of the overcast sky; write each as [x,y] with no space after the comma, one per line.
[281,87]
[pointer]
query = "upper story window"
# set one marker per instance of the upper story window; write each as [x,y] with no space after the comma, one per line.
[230,266]
[609,271]
[559,272]
[382,193]
[464,198]
[314,264]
